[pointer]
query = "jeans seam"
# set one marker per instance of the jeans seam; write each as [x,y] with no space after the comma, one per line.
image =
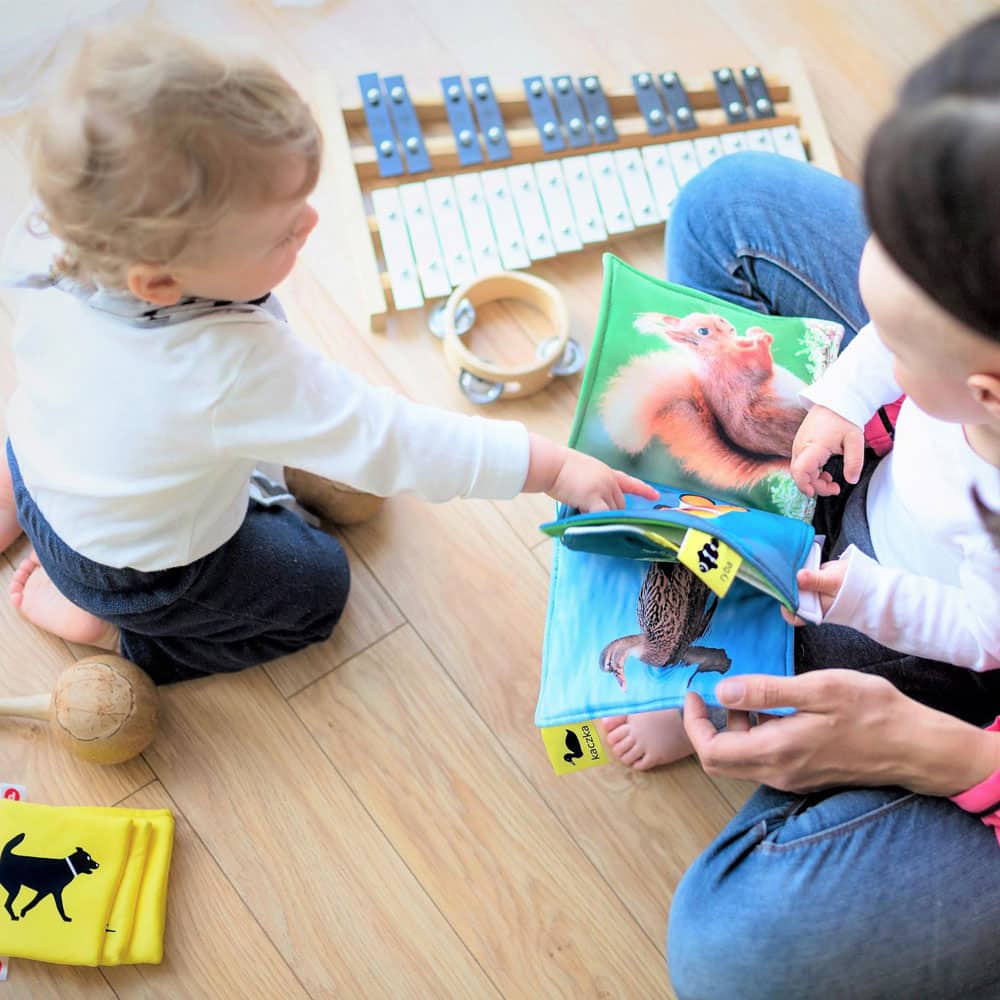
[799,276]
[770,847]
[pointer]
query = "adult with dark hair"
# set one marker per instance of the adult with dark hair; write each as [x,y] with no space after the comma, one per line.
[868,863]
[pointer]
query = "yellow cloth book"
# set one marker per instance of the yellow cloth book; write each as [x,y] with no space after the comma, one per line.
[84,885]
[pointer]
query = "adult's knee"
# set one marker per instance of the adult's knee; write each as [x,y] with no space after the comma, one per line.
[707,203]
[718,210]
[724,939]
[748,176]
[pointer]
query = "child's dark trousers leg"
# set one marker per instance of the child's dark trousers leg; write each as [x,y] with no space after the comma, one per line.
[277,586]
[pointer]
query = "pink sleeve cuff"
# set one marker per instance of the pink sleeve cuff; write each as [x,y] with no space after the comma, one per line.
[983,800]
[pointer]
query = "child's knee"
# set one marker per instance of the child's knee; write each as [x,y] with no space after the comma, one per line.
[331,587]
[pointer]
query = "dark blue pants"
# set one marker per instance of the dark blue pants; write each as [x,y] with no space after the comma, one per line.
[277,586]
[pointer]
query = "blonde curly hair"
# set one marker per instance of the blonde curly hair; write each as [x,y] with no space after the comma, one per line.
[149,140]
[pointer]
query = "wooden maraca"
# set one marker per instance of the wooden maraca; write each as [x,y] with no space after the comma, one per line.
[103,709]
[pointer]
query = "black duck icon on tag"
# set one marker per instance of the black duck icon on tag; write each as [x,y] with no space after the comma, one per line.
[47,876]
[574,748]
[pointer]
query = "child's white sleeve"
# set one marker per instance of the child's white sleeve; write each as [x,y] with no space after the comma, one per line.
[923,617]
[291,406]
[859,381]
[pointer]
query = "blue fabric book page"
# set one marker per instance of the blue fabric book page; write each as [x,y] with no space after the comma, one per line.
[607,652]
[699,397]
[773,548]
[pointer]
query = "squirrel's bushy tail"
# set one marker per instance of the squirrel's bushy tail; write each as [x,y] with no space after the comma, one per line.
[638,392]
[657,395]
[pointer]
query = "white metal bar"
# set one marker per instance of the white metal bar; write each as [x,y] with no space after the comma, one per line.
[683,159]
[760,139]
[472,204]
[788,143]
[707,149]
[614,206]
[635,184]
[530,211]
[734,142]
[552,188]
[583,198]
[450,230]
[399,262]
[423,239]
[661,177]
[510,239]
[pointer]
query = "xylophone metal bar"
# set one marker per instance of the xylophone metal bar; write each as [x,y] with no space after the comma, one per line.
[508,217]
[472,220]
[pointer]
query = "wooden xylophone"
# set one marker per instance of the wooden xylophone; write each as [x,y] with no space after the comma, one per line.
[435,190]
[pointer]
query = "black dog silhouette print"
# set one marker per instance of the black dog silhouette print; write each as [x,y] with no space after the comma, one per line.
[47,876]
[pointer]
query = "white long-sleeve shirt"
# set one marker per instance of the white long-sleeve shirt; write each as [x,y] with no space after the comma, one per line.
[136,430]
[935,589]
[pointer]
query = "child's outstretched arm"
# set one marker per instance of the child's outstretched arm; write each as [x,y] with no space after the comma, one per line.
[577,479]
[286,404]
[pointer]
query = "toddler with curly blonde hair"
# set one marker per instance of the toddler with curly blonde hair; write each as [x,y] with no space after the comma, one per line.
[156,372]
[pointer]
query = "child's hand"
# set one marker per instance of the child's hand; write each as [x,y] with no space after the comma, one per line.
[579,480]
[824,433]
[825,581]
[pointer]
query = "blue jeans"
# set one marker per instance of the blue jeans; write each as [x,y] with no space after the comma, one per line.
[859,893]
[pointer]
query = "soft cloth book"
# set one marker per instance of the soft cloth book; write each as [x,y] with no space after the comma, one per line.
[85,885]
[700,398]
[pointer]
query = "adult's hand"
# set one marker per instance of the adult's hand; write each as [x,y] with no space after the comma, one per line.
[850,728]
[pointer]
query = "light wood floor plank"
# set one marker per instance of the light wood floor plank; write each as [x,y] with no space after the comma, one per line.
[41,980]
[213,945]
[482,842]
[477,597]
[321,879]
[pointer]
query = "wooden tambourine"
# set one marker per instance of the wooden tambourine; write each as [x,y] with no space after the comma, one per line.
[482,381]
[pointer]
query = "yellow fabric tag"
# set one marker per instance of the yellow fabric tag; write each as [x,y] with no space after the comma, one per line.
[710,559]
[107,867]
[574,747]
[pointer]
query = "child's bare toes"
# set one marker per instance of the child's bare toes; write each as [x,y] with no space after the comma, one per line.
[647,739]
[38,600]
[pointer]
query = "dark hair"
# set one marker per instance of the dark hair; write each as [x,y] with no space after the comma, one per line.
[932,178]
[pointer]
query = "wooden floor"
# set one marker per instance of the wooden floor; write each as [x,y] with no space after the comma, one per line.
[376,817]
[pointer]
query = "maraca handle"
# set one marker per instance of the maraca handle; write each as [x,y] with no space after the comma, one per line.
[31,706]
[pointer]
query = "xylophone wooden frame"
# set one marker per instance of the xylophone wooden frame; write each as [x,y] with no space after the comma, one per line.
[351,169]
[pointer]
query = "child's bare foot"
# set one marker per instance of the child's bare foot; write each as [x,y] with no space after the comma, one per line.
[647,739]
[9,528]
[35,597]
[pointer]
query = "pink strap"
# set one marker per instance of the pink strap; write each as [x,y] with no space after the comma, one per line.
[878,437]
[984,799]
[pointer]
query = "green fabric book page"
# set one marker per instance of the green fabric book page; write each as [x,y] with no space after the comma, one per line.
[687,389]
